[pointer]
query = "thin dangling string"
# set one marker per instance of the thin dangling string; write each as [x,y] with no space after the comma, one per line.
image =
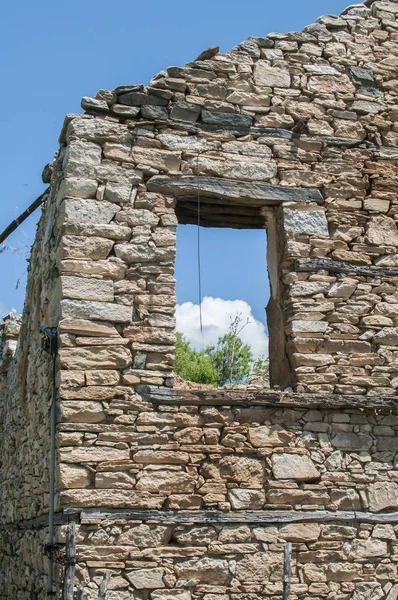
[199,259]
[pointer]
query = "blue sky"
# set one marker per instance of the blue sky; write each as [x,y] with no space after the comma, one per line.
[51,54]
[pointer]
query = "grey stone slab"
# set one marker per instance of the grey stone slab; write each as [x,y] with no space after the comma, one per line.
[154,112]
[226,119]
[238,192]
[185,111]
[140,98]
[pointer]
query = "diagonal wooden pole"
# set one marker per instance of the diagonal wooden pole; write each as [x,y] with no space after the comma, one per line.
[17,222]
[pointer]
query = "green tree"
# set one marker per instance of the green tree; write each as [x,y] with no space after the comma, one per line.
[192,365]
[232,359]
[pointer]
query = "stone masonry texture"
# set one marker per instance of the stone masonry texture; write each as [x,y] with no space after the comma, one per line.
[193,494]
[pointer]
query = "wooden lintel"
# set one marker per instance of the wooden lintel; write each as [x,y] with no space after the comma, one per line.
[250,193]
[263,517]
[333,266]
[266,398]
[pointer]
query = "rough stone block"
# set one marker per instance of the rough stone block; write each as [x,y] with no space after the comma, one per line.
[294,466]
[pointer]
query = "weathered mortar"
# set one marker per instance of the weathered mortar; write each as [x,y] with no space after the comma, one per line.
[296,133]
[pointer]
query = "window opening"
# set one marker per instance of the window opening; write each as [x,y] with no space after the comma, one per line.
[235,292]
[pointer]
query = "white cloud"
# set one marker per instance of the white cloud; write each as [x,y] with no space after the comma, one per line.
[216,315]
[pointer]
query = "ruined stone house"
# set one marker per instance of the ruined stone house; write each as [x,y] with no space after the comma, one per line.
[193,495]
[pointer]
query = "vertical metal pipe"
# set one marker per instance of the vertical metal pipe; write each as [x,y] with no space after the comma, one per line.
[287,571]
[53,423]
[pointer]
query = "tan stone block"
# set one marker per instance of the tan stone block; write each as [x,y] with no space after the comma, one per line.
[109,357]
[83,288]
[89,328]
[265,436]
[383,495]
[114,268]
[166,481]
[242,470]
[369,548]
[92,454]
[152,157]
[300,532]
[246,499]
[88,393]
[94,248]
[111,499]
[206,570]
[160,457]
[95,377]
[114,481]
[81,412]
[73,476]
[294,466]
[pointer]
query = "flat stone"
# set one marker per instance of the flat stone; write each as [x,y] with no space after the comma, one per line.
[93,104]
[82,288]
[351,441]
[115,268]
[145,536]
[111,499]
[257,568]
[99,131]
[206,570]
[226,119]
[185,111]
[118,192]
[387,336]
[382,231]
[171,595]
[154,113]
[94,248]
[74,210]
[81,159]
[73,476]
[140,98]
[81,412]
[176,482]
[309,288]
[294,466]
[369,548]
[300,532]
[368,591]
[311,222]
[101,311]
[135,217]
[236,167]
[242,470]
[184,142]
[92,454]
[269,436]
[97,357]
[267,76]
[246,499]
[77,187]
[382,495]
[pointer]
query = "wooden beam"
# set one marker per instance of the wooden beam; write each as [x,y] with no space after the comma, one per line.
[333,266]
[267,398]
[245,193]
[265,517]
[17,222]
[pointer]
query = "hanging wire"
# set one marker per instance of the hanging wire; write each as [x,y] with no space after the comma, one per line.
[199,259]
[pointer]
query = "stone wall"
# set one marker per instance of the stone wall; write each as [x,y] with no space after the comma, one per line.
[197,492]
